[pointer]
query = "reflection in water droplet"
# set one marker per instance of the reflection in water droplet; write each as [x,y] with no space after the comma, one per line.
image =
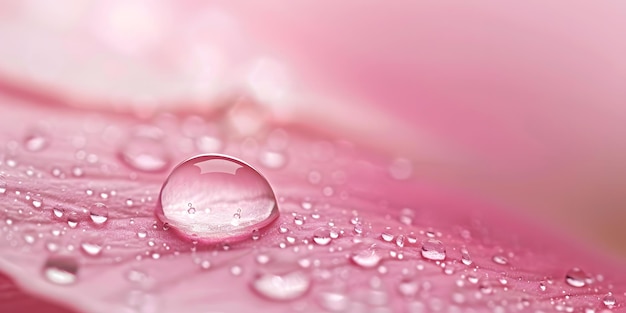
[575,277]
[283,287]
[433,249]
[99,213]
[145,153]
[225,185]
[61,270]
[321,236]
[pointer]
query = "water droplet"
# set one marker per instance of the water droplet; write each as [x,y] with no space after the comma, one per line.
[575,277]
[99,213]
[58,212]
[91,248]
[72,219]
[498,259]
[321,236]
[142,233]
[282,287]
[367,257]
[223,184]
[400,241]
[30,237]
[145,153]
[542,286]
[408,287]
[609,300]
[465,257]
[433,249]
[236,270]
[387,235]
[37,201]
[205,264]
[35,141]
[61,270]
[3,185]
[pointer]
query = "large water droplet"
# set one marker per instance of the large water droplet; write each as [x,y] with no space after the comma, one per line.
[232,190]
[99,213]
[577,278]
[61,270]
[433,249]
[282,287]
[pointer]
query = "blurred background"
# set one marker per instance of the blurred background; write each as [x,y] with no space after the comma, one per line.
[523,102]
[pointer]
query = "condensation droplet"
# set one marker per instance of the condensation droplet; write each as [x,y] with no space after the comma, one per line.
[36,141]
[321,236]
[145,153]
[609,300]
[367,257]
[282,287]
[433,249]
[575,277]
[61,270]
[225,185]
[99,213]
[91,248]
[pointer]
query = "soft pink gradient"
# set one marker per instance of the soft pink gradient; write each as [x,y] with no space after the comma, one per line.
[518,103]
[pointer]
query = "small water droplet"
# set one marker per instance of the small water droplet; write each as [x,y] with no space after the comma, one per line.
[3,185]
[465,257]
[236,270]
[400,241]
[37,201]
[72,219]
[321,236]
[58,212]
[367,256]
[35,141]
[433,249]
[99,213]
[256,234]
[91,248]
[205,264]
[145,153]
[499,259]
[387,235]
[609,300]
[284,287]
[30,237]
[222,184]
[142,233]
[408,287]
[575,277]
[61,270]
[542,286]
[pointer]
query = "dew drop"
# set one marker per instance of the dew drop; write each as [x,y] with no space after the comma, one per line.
[72,219]
[609,300]
[465,257]
[408,287]
[236,270]
[91,248]
[145,153]
[225,185]
[368,257]
[99,213]
[37,201]
[321,236]
[61,270]
[433,249]
[283,287]
[575,277]
[35,141]
[3,185]
[498,259]
[58,212]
